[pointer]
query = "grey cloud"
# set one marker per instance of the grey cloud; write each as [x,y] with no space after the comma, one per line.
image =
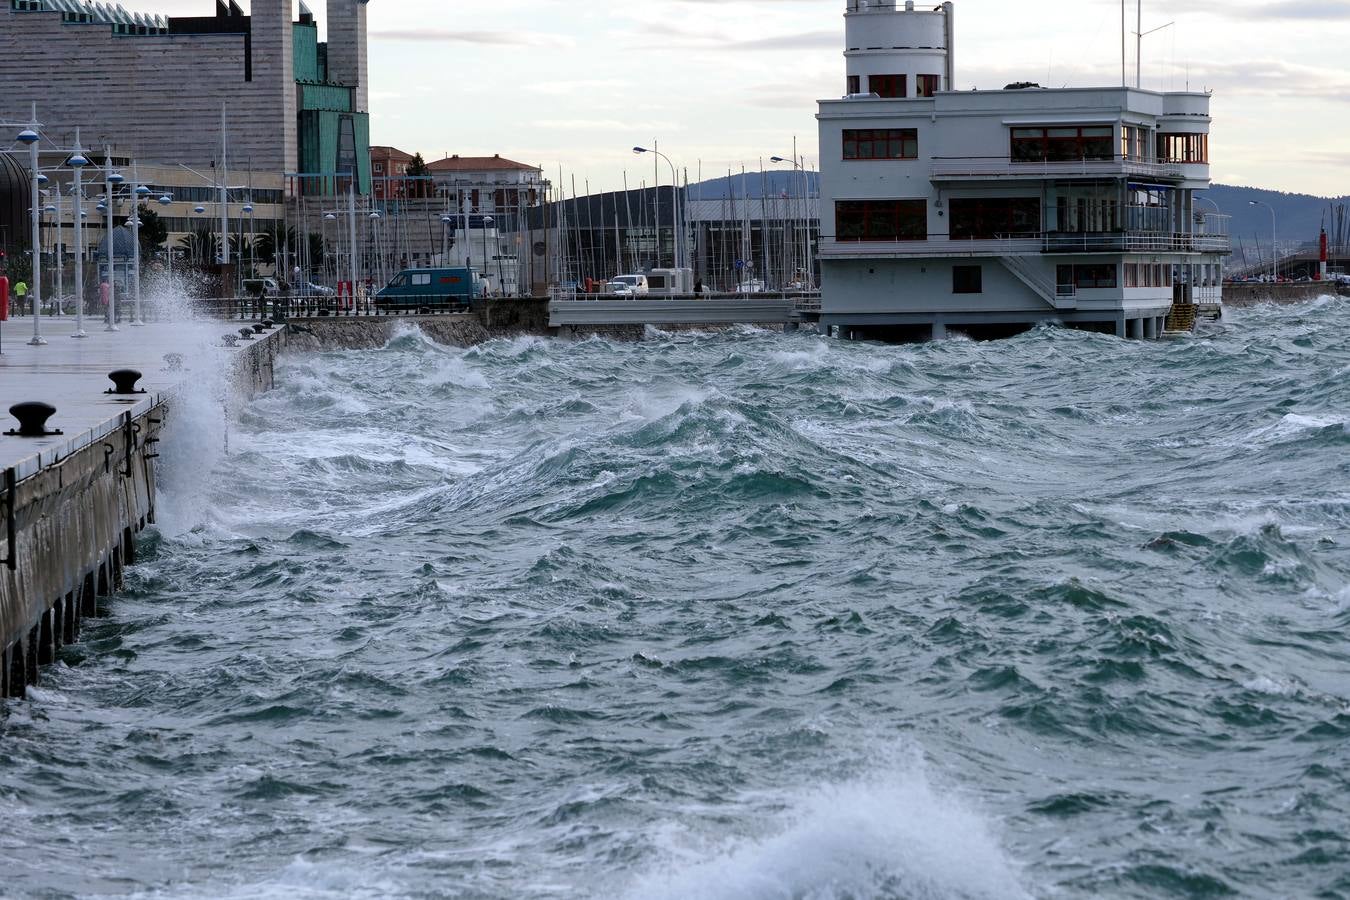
[489,38]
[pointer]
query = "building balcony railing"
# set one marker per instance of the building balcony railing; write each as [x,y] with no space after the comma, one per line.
[1031,244]
[948,168]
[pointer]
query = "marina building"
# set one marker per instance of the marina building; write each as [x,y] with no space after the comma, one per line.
[992,210]
[155,86]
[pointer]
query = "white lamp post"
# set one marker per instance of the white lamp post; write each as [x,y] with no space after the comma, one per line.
[29,136]
[675,195]
[445,236]
[487,223]
[110,179]
[139,194]
[77,162]
[1274,254]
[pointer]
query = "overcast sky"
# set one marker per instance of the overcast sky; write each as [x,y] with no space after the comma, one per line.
[577,83]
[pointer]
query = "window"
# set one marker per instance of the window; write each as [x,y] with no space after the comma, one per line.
[881,143]
[891,87]
[1183,148]
[985,218]
[421,278]
[927,85]
[1062,144]
[881,220]
[1132,275]
[854,84]
[967,280]
[1134,142]
[1087,276]
[400,281]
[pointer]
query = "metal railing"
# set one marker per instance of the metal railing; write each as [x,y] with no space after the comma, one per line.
[1000,166]
[283,308]
[1035,243]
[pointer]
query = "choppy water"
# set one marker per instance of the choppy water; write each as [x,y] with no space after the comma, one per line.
[732,616]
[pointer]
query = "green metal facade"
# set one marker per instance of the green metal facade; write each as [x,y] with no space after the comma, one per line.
[325,110]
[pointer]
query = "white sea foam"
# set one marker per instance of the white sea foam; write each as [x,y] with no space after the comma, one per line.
[892,836]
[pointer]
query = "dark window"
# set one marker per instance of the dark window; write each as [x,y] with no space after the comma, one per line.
[881,143]
[854,84]
[891,87]
[1062,144]
[1087,276]
[927,85]
[881,220]
[994,217]
[967,280]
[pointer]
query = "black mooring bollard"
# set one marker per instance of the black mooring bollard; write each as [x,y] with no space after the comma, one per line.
[32,418]
[231,340]
[124,382]
[259,328]
[246,333]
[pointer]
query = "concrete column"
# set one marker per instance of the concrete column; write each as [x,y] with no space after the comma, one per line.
[939,331]
[272,108]
[1151,328]
[1137,329]
[347,58]
[1120,325]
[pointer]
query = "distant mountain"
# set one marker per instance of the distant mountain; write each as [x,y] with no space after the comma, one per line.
[1298,217]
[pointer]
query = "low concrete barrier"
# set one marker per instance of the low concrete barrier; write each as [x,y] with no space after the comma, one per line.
[1254,293]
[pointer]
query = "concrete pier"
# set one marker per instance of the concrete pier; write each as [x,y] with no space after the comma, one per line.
[71,504]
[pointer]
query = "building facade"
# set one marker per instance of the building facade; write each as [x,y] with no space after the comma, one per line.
[155,86]
[990,210]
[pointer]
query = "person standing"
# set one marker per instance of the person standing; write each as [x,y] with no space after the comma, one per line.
[105,298]
[21,295]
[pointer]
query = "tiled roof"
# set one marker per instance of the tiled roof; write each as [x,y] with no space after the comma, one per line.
[391,153]
[477,164]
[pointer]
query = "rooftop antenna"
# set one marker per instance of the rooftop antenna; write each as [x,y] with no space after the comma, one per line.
[1139,36]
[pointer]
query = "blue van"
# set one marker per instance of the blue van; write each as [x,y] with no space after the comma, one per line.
[429,288]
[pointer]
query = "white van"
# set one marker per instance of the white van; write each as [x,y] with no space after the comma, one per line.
[629,286]
[673,282]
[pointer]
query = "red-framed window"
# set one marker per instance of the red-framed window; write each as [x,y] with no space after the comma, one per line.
[1089,276]
[1183,148]
[1063,144]
[994,217]
[881,143]
[889,87]
[881,220]
[927,85]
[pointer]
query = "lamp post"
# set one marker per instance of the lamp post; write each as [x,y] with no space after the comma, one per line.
[1274,254]
[29,136]
[55,209]
[445,236]
[487,223]
[77,162]
[675,195]
[139,194]
[110,180]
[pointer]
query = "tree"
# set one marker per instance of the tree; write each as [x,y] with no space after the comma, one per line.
[201,246]
[418,169]
[153,231]
[275,241]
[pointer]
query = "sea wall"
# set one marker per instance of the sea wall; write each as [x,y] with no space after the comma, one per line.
[70,528]
[1256,293]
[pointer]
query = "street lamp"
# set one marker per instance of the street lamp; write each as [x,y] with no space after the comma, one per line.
[487,223]
[1274,254]
[674,193]
[139,194]
[110,180]
[29,136]
[77,162]
[445,236]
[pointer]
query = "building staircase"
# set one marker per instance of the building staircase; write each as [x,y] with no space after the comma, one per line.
[1181,318]
[1046,290]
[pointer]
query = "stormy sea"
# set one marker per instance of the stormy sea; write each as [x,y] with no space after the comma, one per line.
[732,615]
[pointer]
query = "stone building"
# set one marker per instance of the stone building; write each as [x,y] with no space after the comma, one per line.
[154,87]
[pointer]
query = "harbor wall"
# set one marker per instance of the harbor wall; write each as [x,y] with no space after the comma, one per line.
[70,528]
[1239,295]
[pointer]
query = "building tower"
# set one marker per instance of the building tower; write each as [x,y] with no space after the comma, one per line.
[347,59]
[898,52]
[273,87]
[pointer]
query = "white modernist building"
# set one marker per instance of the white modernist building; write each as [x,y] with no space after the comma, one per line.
[990,211]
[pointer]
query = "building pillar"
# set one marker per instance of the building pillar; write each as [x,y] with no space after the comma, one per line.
[939,331]
[1137,329]
[1120,325]
[1151,328]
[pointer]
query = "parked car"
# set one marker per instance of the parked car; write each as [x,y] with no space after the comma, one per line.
[262,287]
[628,286]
